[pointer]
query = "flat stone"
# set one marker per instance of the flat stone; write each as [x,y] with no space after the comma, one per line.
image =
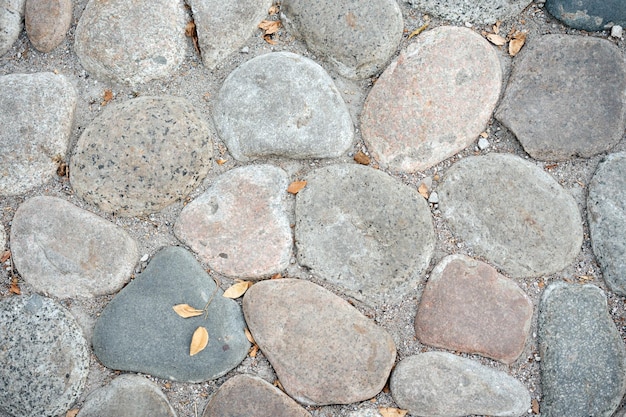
[565,97]
[606,206]
[141,155]
[240,225]
[456,79]
[513,213]
[261,400]
[468,307]
[131,42]
[357,38]
[363,230]
[323,350]
[3,238]
[472,11]
[127,395]
[11,15]
[440,384]
[282,104]
[47,22]
[69,252]
[139,331]
[588,15]
[44,358]
[36,115]
[583,358]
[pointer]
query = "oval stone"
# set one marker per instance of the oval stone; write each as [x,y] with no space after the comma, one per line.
[11,15]
[484,12]
[47,22]
[588,15]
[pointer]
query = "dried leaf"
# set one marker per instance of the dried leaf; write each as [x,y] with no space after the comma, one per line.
[249,336]
[496,39]
[296,186]
[199,340]
[107,97]
[72,413]
[273,10]
[237,290]
[418,30]
[269,26]
[14,288]
[423,190]
[253,351]
[362,159]
[186,311]
[392,412]
[518,40]
[268,39]
[221,161]
[278,385]
[5,256]
[192,32]
[484,135]
[535,406]
[277,275]
[496,27]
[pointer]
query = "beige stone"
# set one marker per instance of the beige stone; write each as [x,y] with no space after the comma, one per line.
[47,22]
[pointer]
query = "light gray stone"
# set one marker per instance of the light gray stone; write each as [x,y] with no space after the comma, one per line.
[473,11]
[47,22]
[3,238]
[11,15]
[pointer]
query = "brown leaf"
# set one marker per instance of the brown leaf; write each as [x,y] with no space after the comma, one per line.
[237,290]
[518,40]
[192,32]
[273,10]
[268,39]
[496,27]
[14,288]
[276,276]
[296,187]
[269,26]
[249,336]
[484,135]
[253,351]
[392,412]
[221,161]
[107,97]
[535,406]
[199,340]
[496,39]
[362,159]
[186,311]
[5,256]
[72,413]
[423,190]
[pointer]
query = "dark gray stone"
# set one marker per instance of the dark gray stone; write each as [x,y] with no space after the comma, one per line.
[588,15]
[583,358]
[473,11]
[11,15]
[139,331]
[47,22]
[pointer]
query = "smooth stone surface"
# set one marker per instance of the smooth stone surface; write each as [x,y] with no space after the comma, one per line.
[240,225]
[439,384]
[282,104]
[472,11]
[566,97]
[68,252]
[47,22]
[131,41]
[244,395]
[606,213]
[357,38]
[588,15]
[44,358]
[456,79]
[36,115]
[468,307]
[363,230]
[141,155]
[127,395]
[323,350]
[11,15]
[513,213]
[583,358]
[139,331]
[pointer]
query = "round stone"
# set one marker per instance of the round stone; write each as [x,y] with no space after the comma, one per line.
[484,12]
[11,15]
[588,15]
[47,22]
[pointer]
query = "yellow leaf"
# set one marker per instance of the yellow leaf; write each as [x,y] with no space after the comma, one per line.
[237,290]
[518,40]
[199,340]
[296,186]
[186,311]
[423,190]
[496,39]
[418,30]
[392,412]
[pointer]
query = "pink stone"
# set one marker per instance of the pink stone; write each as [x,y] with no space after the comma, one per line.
[47,22]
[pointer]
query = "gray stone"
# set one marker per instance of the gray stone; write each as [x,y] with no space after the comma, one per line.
[456,78]
[260,399]
[566,97]
[440,384]
[323,350]
[141,155]
[47,22]
[131,42]
[11,15]
[512,213]
[44,358]
[240,225]
[363,230]
[36,115]
[282,104]
[3,238]
[357,38]
[474,11]
[606,213]
[68,252]
[583,358]
[588,14]
[139,331]
[127,395]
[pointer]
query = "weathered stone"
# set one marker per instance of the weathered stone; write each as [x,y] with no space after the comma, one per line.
[323,350]
[139,331]
[583,358]
[282,104]
[512,213]
[47,22]
[440,384]
[357,38]
[566,97]
[588,14]
[472,11]
[467,306]
[3,238]
[44,358]
[240,225]
[68,252]
[36,115]
[455,79]
[11,15]
[141,155]
[378,252]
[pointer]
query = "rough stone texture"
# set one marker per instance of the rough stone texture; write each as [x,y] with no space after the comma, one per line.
[566,97]
[260,399]
[47,22]
[473,11]
[68,252]
[3,238]
[606,211]
[359,228]
[127,395]
[220,34]
[583,358]
[139,331]
[11,15]
[141,155]
[282,104]
[588,14]
[440,384]
[455,78]
[467,306]
[357,37]
[44,358]
[36,115]
[131,41]
[240,225]
[323,350]
[512,213]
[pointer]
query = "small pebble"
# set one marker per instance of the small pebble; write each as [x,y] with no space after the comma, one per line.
[483,144]
[144,258]
[433,198]
[617,32]
[245,50]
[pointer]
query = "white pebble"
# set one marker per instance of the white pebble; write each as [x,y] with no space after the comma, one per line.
[433,198]
[144,258]
[245,50]
[617,32]
[483,144]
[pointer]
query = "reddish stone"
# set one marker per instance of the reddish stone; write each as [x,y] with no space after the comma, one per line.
[47,22]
